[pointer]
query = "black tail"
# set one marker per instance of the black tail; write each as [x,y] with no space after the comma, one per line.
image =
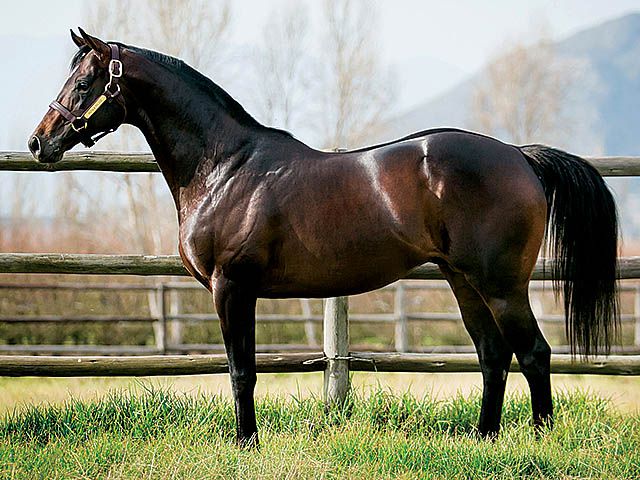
[583,237]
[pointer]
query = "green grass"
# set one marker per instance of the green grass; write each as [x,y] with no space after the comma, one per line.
[163,434]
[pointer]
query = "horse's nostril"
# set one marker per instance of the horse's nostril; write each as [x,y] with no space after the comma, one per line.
[34,146]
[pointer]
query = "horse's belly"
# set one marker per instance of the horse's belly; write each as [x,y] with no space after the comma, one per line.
[355,267]
[359,237]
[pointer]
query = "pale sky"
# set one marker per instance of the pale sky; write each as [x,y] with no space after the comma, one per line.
[431,44]
[461,32]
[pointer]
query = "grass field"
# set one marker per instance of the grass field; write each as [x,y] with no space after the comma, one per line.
[172,430]
[622,392]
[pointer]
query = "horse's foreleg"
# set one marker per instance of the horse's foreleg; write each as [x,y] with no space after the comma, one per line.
[493,351]
[236,309]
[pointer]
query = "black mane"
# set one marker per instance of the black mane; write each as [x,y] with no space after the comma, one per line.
[191,74]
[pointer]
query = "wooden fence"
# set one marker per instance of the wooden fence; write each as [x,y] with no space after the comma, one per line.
[335,360]
[165,313]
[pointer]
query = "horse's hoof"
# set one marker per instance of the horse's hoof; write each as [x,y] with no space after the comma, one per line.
[248,443]
[489,435]
[543,426]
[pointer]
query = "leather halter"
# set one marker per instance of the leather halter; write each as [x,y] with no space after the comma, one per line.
[111,91]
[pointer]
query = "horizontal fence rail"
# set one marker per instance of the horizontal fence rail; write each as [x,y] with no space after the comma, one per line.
[91,161]
[80,264]
[41,366]
[266,318]
[171,265]
[187,348]
[211,348]
[144,162]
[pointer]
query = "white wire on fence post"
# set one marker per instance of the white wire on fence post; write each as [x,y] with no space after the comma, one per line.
[336,349]
[401,330]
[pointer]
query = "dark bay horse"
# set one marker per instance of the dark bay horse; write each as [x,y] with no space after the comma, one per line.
[264,215]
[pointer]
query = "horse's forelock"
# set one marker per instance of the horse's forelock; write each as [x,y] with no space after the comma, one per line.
[79,55]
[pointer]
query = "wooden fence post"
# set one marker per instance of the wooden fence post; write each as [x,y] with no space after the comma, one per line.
[401,330]
[336,349]
[636,312]
[161,312]
[309,326]
[155,299]
[174,328]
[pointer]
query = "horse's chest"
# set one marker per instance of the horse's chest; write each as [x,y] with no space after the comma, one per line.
[222,236]
[196,246]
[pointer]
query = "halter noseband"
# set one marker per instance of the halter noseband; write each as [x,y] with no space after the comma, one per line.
[111,91]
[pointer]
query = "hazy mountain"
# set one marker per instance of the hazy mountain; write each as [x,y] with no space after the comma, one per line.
[603,104]
[612,49]
[602,107]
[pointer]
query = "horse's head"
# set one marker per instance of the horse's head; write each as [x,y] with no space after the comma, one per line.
[89,105]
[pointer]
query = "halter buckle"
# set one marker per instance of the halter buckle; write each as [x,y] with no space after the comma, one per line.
[115,68]
[107,89]
[83,125]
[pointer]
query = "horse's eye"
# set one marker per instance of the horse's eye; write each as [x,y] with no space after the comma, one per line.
[82,86]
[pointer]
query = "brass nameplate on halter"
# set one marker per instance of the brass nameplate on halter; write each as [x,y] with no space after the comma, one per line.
[96,105]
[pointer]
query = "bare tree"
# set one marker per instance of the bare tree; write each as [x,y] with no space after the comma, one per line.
[193,30]
[522,96]
[356,90]
[189,29]
[281,66]
[19,205]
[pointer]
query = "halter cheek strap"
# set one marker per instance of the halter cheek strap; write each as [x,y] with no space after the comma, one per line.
[111,90]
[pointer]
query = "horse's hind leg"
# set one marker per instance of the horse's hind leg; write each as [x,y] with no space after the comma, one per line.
[516,321]
[493,351]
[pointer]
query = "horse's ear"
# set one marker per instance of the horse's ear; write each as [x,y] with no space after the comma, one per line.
[78,40]
[97,45]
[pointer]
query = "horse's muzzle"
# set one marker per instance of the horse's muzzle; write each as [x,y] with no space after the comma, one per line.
[43,150]
[34,147]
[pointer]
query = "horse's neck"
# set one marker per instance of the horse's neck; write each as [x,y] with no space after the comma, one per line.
[186,127]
